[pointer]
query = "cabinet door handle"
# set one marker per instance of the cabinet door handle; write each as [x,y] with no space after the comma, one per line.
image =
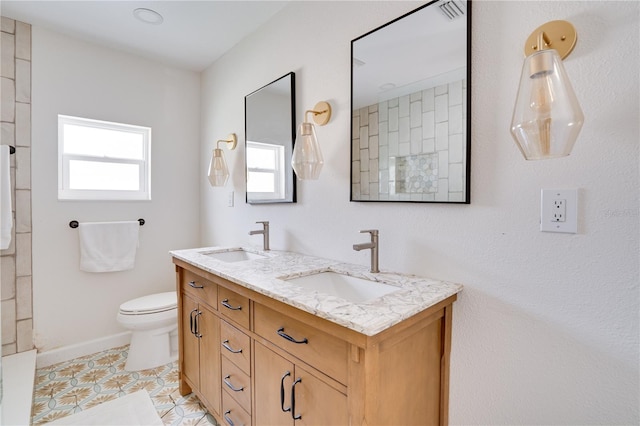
[284,335]
[230,349]
[225,303]
[282,392]
[192,321]
[293,400]
[193,284]
[226,417]
[233,388]
[196,322]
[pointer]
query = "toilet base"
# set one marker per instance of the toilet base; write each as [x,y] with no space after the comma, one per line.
[152,348]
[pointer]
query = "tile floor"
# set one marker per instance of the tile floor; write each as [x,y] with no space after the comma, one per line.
[79,384]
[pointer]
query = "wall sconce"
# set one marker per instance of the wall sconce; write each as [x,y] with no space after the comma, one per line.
[218,171]
[307,158]
[547,117]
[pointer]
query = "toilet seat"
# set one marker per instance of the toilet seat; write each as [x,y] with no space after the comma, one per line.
[151,304]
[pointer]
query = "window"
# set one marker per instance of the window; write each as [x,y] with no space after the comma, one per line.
[99,160]
[265,170]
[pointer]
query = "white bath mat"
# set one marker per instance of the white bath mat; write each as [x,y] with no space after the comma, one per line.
[135,409]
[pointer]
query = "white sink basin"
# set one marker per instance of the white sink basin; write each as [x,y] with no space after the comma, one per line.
[353,289]
[236,255]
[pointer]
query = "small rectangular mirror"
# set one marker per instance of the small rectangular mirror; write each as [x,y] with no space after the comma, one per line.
[410,102]
[269,134]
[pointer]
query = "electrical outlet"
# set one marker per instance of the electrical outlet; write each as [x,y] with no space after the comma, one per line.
[230,200]
[559,210]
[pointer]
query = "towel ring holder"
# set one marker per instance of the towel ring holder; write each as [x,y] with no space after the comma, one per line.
[74,223]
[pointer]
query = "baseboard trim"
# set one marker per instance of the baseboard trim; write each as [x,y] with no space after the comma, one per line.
[89,347]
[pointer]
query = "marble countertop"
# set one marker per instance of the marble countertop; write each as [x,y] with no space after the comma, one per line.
[266,276]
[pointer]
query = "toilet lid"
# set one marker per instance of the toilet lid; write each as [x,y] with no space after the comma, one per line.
[150,304]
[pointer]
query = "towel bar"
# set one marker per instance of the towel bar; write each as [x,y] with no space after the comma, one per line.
[74,223]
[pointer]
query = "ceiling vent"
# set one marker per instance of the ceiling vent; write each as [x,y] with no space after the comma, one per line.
[452,9]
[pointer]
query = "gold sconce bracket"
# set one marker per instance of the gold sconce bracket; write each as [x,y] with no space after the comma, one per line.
[232,139]
[558,35]
[321,113]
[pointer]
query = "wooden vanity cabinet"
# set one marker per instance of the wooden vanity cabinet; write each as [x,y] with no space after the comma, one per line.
[296,368]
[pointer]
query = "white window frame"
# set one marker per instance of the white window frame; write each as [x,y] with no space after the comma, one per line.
[66,193]
[277,171]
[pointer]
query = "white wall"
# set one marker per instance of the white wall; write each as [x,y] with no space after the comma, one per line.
[76,78]
[546,329]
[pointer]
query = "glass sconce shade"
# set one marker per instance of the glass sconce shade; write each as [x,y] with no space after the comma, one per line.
[547,117]
[218,171]
[307,158]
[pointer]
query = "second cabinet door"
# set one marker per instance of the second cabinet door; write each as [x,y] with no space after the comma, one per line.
[209,330]
[201,353]
[280,385]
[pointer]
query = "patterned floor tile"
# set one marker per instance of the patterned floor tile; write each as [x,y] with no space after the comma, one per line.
[79,384]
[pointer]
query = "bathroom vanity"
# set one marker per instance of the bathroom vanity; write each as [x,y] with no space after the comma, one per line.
[279,338]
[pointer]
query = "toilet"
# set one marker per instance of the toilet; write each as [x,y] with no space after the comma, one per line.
[153,322]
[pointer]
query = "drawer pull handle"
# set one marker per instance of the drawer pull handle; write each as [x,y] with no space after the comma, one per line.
[284,335]
[225,303]
[293,400]
[226,417]
[193,284]
[282,392]
[233,388]
[230,349]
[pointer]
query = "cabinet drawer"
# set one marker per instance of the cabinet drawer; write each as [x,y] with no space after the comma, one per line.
[236,346]
[234,306]
[237,384]
[232,412]
[199,287]
[321,350]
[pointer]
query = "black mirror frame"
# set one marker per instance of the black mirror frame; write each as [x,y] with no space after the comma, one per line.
[467,195]
[292,88]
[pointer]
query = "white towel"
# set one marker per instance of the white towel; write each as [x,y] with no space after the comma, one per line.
[108,246]
[6,218]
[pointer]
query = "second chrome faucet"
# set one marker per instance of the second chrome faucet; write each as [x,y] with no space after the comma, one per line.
[265,234]
[373,245]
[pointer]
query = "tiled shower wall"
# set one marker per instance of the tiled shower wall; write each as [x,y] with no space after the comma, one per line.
[411,148]
[15,266]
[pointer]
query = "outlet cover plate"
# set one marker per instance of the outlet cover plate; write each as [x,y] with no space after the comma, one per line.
[559,210]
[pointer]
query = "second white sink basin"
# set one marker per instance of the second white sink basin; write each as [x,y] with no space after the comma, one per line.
[235,255]
[353,289]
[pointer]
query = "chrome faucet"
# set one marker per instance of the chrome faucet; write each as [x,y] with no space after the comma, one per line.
[265,234]
[373,245]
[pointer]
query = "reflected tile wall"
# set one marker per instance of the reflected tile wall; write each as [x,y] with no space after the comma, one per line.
[15,122]
[400,144]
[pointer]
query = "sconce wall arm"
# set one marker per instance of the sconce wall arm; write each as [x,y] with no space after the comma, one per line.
[559,35]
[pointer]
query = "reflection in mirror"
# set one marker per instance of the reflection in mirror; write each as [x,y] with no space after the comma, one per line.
[410,101]
[270,131]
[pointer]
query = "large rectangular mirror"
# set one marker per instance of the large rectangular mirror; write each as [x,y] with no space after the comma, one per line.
[410,101]
[269,134]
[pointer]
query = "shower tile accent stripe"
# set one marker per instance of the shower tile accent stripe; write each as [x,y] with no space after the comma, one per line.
[412,147]
[79,384]
[15,123]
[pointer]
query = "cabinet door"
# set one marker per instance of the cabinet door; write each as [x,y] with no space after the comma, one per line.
[317,403]
[209,332]
[273,379]
[190,343]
